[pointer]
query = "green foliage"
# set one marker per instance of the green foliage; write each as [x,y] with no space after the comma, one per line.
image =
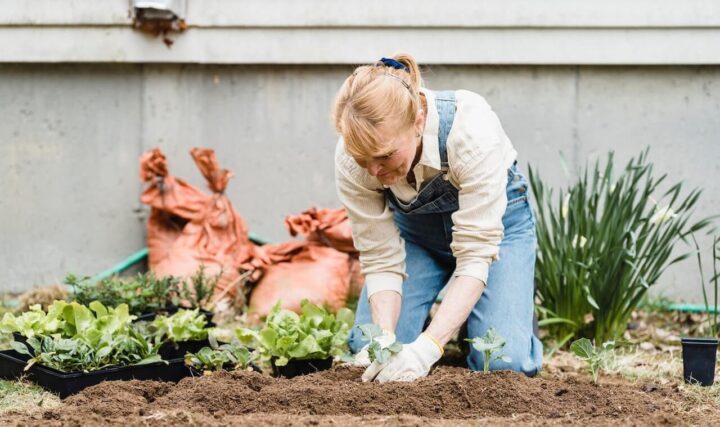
[376,352]
[143,293]
[90,339]
[36,321]
[185,325]
[489,344]
[712,310]
[200,290]
[314,334]
[213,358]
[594,357]
[602,243]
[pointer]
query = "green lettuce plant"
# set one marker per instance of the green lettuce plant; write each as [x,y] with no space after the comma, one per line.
[92,338]
[489,344]
[234,355]
[376,352]
[184,325]
[595,357]
[36,321]
[313,334]
[602,243]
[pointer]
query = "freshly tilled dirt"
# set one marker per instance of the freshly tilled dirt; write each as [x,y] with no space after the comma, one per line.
[449,396]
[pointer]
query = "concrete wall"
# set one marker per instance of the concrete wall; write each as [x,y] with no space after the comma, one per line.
[70,137]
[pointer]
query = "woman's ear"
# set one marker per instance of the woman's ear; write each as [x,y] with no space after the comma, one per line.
[420,122]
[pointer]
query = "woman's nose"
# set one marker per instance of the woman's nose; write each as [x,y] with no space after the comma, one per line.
[373,168]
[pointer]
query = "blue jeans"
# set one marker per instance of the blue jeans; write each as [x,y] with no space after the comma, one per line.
[506,303]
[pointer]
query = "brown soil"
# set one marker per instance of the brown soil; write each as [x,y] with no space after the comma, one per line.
[450,396]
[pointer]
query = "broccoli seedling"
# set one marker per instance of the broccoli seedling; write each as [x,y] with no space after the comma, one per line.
[376,352]
[490,344]
[594,356]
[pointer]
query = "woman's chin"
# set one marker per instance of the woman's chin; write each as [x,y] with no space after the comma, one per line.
[388,180]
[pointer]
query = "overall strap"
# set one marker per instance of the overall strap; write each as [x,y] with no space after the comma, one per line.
[446,106]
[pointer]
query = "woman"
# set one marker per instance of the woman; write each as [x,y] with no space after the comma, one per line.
[434,195]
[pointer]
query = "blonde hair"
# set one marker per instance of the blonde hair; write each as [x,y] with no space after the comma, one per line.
[373,96]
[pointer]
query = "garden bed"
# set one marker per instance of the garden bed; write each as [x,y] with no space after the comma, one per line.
[450,396]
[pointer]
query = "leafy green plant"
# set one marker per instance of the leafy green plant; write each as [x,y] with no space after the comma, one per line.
[712,310]
[489,344]
[376,352]
[36,321]
[313,334]
[184,325]
[143,293]
[602,244]
[199,291]
[233,355]
[91,338]
[594,357]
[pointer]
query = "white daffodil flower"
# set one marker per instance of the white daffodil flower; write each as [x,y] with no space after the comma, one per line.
[579,241]
[565,206]
[662,215]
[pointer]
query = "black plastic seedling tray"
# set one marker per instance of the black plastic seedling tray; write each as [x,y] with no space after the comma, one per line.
[65,384]
[176,350]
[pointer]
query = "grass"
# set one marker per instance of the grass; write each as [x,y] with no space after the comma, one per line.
[23,397]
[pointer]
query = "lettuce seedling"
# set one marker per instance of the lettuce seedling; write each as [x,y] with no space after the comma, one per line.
[213,358]
[185,325]
[489,344]
[313,334]
[35,321]
[594,356]
[92,338]
[376,352]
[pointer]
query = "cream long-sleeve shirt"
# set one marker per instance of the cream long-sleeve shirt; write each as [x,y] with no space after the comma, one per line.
[479,154]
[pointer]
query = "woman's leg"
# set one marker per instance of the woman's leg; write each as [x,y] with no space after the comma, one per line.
[507,302]
[426,277]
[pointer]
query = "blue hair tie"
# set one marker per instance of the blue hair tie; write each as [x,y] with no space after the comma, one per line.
[389,62]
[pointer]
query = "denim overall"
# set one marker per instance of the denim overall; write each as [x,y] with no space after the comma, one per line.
[426,226]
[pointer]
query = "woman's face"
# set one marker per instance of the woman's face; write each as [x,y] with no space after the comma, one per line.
[395,164]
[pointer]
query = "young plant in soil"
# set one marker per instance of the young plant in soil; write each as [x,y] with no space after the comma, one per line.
[91,339]
[226,356]
[313,334]
[376,352]
[489,344]
[595,357]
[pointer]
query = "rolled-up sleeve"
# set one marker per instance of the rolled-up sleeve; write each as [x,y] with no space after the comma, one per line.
[375,235]
[481,157]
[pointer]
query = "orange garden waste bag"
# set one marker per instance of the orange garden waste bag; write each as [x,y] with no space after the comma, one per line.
[301,270]
[188,228]
[331,227]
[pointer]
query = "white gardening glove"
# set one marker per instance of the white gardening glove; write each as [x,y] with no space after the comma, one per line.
[362,358]
[412,362]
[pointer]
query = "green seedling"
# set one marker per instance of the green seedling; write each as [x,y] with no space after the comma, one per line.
[593,356]
[315,333]
[376,352]
[489,344]
[185,325]
[213,358]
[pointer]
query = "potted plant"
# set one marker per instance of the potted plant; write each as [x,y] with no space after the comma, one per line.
[180,333]
[298,344]
[228,357]
[89,345]
[700,354]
